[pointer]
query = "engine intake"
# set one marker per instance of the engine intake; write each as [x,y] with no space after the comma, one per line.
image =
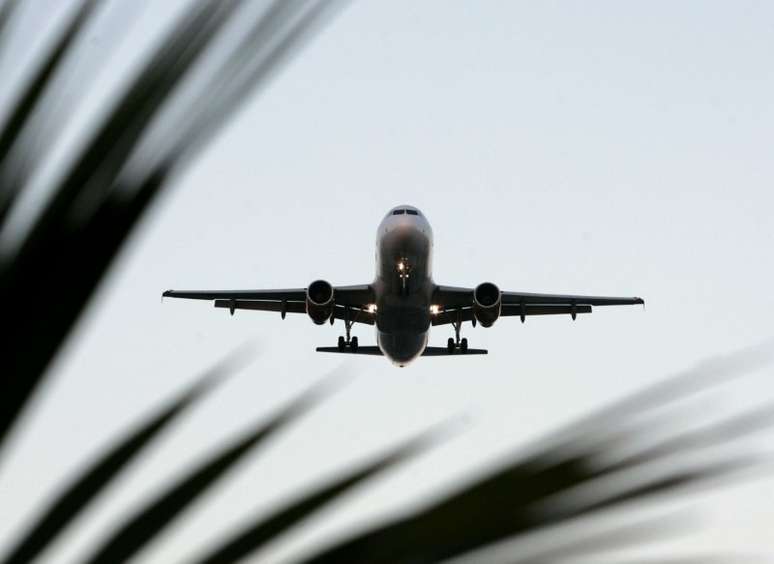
[487,302]
[319,301]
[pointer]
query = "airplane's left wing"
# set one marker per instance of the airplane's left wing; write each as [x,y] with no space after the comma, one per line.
[291,295]
[351,302]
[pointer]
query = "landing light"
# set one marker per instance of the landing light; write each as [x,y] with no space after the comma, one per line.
[435,310]
[371,308]
[401,266]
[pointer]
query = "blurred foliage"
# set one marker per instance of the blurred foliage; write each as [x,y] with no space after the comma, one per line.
[57,258]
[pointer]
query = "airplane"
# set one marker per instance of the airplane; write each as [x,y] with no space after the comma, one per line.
[403,301]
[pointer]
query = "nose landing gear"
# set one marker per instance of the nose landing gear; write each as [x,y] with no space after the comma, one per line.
[404,270]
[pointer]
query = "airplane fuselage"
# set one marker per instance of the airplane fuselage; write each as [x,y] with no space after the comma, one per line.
[404,286]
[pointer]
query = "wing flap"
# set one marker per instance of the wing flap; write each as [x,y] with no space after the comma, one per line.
[262,305]
[513,310]
[466,314]
[339,312]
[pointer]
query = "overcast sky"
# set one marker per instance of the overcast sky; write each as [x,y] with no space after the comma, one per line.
[619,148]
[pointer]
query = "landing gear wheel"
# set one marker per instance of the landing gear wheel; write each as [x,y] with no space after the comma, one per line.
[342,343]
[450,345]
[464,345]
[353,344]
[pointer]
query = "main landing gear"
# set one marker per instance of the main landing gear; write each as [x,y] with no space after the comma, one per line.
[348,342]
[344,343]
[457,344]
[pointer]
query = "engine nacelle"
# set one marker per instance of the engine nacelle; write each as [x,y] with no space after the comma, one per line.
[487,302]
[319,301]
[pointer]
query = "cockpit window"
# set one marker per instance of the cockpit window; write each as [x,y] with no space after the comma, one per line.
[412,212]
[398,212]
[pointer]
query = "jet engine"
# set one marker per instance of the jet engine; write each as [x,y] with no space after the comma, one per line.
[486,303]
[319,301]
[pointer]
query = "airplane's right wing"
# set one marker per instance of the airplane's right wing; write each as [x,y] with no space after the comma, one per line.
[455,304]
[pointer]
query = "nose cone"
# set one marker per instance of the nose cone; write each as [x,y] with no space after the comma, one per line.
[404,209]
[404,223]
[401,348]
[406,215]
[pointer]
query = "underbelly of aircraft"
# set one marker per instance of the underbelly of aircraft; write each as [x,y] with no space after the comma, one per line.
[402,327]
[401,347]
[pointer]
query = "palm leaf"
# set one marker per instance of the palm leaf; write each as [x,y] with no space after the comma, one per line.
[611,539]
[268,528]
[53,241]
[148,522]
[92,481]
[10,183]
[93,209]
[6,12]
[548,487]
[95,206]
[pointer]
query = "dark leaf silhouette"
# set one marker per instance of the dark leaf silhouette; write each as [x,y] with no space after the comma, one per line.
[6,11]
[92,480]
[270,527]
[125,162]
[94,208]
[56,249]
[148,522]
[611,539]
[10,181]
[549,486]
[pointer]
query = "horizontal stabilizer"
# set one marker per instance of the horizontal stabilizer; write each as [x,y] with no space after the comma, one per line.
[372,350]
[443,351]
[429,351]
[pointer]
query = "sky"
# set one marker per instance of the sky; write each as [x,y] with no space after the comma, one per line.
[605,148]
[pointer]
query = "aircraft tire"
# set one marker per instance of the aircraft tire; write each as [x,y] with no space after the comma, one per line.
[342,344]
[353,344]
[450,345]
[464,345]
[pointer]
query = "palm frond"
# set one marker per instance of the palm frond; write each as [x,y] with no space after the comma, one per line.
[139,529]
[150,131]
[610,539]
[94,209]
[552,485]
[92,481]
[270,527]
[11,182]
[6,11]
